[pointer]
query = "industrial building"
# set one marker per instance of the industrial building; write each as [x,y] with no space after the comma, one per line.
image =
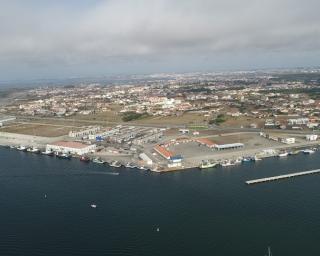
[71,147]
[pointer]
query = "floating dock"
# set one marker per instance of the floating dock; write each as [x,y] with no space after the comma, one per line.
[280,177]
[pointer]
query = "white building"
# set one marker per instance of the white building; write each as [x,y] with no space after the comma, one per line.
[288,140]
[71,147]
[146,159]
[311,137]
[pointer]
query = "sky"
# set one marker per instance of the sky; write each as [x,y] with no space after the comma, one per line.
[89,38]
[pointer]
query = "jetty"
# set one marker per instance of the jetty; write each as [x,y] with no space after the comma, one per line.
[280,177]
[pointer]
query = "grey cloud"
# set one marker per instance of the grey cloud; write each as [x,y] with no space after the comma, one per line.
[59,33]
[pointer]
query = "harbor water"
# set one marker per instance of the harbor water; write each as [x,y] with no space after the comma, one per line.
[46,208]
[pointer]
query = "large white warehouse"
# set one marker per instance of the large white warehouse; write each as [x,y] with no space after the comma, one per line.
[71,147]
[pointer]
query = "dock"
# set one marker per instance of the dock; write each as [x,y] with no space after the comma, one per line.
[280,177]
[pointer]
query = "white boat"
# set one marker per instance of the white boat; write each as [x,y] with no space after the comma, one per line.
[47,152]
[226,163]
[93,206]
[22,148]
[98,160]
[283,154]
[33,150]
[308,151]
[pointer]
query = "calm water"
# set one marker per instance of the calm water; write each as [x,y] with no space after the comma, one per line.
[210,212]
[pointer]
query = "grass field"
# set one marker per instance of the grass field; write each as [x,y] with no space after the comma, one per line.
[45,130]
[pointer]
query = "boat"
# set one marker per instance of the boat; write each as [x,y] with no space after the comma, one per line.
[98,160]
[93,206]
[308,151]
[207,164]
[85,159]
[227,163]
[63,155]
[142,168]
[246,159]
[283,154]
[12,147]
[47,153]
[22,148]
[33,150]
[115,164]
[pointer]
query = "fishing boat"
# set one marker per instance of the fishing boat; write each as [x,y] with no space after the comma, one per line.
[85,159]
[227,163]
[47,153]
[308,151]
[246,159]
[98,160]
[142,168]
[63,155]
[22,148]
[207,164]
[283,154]
[33,150]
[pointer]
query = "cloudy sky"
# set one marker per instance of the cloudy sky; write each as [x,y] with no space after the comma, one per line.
[78,38]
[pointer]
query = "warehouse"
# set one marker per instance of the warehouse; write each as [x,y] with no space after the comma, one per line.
[71,147]
[145,158]
[229,146]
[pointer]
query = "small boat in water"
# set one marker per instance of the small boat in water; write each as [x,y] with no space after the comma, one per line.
[98,160]
[93,206]
[308,151]
[47,153]
[205,164]
[227,163]
[33,150]
[247,159]
[283,154]
[63,155]
[22,148]
[85,159]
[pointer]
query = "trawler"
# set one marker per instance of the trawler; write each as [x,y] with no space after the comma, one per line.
[207,164]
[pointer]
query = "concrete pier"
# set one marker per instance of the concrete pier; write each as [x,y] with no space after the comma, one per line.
[279,177]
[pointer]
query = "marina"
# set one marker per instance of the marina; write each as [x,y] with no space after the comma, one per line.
[280,177]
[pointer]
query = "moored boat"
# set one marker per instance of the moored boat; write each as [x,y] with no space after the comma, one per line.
[308,151]
[283,154]
[98,160]
[22,148]
[85,159]
[207,164]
